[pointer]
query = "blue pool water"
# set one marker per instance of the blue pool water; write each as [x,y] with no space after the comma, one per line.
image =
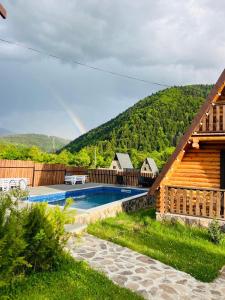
[88,198]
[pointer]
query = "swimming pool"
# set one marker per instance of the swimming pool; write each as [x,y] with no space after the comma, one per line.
[88,198]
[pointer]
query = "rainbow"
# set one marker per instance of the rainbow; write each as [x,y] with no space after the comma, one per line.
[74,118]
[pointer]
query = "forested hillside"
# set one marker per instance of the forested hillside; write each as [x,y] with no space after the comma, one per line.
[44,142]
[151,127]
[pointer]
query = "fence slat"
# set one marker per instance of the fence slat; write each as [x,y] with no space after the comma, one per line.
[218,204]
[197,209]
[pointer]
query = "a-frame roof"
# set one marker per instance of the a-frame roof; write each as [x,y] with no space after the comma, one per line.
[152,165]
[2,11]
[124,160]
[213,96]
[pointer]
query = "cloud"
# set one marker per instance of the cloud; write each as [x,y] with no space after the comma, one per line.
[175,42]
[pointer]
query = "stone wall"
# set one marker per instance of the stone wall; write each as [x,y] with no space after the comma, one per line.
[112,209]
[188,220]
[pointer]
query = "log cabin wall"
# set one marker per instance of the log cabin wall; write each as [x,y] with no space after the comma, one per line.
[198,168]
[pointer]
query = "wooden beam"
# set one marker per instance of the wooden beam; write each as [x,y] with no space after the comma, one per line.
[3,12]
[208,139]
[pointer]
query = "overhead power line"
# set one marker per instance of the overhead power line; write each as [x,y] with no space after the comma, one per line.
[82,64]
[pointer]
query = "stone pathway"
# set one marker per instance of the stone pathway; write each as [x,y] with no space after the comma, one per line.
[149,277]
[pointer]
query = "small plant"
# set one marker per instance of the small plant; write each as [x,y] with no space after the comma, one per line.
[215,232]
[70,214]
[19,194]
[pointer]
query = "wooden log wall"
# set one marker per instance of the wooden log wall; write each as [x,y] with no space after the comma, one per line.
[198,168]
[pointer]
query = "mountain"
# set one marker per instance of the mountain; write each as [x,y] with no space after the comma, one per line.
[44,142]
[4,132]
[152,124]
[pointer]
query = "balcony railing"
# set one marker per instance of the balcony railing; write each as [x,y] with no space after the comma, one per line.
[214,121]
[208,203]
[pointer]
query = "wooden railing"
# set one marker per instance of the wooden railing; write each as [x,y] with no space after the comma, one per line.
[214,120]
[193,202]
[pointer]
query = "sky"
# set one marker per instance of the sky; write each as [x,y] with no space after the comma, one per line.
[175,42]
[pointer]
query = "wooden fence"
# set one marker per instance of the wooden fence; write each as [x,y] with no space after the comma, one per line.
[131,177]
[194,202]
[38,173]
[49,174]
[102,176]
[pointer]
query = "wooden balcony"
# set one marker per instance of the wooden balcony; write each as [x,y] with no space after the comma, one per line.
[197,202]
[213,122]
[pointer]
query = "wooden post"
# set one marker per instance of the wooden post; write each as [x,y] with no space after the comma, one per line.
[197,211]
[217,118]
[184,202]
[211,119]
[218,204]
[223,117]
[211,199]
[191,202]
[204,200]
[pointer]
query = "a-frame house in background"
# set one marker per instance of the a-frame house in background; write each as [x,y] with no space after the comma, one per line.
[191,186]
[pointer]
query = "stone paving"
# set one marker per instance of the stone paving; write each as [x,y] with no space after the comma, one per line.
[148,277]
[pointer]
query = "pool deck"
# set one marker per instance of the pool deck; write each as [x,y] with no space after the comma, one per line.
[59,188]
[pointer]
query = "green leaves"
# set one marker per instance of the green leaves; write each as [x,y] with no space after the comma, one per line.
[215,232]
[31,238]
[152,124]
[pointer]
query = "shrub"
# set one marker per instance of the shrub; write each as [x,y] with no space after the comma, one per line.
[31,238]
[215,232]
[45,236]
[12,243]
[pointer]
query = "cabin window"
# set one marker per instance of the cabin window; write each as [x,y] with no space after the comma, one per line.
[222,169]
[145,169]
[114,167]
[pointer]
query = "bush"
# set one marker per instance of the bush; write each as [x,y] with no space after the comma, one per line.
[45,236]
[215,232]
[12,243]
[31,239]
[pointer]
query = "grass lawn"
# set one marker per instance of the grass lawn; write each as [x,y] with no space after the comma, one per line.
[73,280]
[185,248]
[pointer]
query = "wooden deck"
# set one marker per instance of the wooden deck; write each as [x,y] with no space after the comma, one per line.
[199,202]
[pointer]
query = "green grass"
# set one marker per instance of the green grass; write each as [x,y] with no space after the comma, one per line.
[72,280]
[185,248]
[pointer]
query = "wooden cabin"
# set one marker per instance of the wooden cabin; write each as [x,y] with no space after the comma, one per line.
[120,162]
[191,186]
[149,166]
